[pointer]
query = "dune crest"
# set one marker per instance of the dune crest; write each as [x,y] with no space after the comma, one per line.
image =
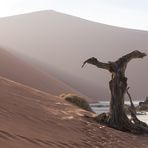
[62,42]
[15,68]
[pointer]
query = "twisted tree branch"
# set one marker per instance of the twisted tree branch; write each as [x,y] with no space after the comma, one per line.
[97,63]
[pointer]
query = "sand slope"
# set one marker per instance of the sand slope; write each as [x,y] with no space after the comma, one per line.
[63,42]
[34,119]
[16,69]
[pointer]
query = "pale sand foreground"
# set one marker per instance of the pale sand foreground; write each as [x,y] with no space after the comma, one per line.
[33,119]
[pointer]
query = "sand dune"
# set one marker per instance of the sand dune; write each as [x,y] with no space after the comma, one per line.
[16,69]
[34,119]
[63,42]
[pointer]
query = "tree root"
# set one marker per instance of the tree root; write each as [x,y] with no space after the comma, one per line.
[135,126]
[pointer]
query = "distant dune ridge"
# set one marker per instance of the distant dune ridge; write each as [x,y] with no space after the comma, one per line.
[62,42]
[16,69]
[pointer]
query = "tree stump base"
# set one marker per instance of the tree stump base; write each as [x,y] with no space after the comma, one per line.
[132,126]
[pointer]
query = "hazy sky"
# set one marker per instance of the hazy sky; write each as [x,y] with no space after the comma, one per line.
[125,13]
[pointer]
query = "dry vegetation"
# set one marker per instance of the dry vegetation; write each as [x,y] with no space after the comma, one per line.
[77,100]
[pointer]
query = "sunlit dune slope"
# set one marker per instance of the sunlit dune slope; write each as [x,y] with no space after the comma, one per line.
[34,119]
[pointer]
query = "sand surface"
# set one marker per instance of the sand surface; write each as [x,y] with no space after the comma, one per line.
[62,42]
[30,118]
[15,68]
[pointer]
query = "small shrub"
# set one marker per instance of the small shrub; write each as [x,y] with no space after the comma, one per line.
[77,100]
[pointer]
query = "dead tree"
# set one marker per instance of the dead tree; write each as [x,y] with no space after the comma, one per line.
[117,117]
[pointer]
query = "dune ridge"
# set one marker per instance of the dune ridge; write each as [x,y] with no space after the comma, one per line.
[15,68]
[63,42]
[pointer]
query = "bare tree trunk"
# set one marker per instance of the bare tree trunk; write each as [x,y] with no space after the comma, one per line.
[117,113]
[117,117]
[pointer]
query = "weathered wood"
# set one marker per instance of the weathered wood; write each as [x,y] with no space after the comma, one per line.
[117,117]
[97,63]
[132,110]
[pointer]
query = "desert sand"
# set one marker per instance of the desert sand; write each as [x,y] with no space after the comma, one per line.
[44,57]
[34,119]
[15,68]
[62,42]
